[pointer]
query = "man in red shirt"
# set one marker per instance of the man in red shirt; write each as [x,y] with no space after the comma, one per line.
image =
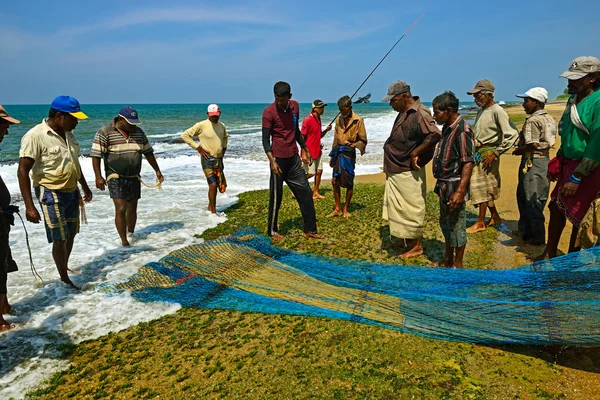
[280,133]
[312,134]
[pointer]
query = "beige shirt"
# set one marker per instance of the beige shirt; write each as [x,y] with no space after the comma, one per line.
[493,128]
[213,137]
[539,128]
[56,160]
[354,133]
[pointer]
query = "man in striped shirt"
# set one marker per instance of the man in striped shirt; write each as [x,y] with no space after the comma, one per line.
[121,145]
[452,167]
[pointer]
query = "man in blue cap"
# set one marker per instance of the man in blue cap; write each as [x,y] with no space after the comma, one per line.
[121,144]
[51,153]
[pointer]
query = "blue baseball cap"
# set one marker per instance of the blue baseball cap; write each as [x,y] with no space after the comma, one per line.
[69,105]
[130,115]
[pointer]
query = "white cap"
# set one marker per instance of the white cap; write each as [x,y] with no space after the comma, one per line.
[213,109]
[537,93]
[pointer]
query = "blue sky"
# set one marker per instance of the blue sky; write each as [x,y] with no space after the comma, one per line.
[220,51]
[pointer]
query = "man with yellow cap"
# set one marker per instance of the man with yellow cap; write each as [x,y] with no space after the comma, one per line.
[51,153]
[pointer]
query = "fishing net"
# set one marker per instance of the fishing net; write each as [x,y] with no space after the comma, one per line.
[554,302]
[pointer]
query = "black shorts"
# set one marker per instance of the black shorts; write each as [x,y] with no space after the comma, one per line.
[125,188]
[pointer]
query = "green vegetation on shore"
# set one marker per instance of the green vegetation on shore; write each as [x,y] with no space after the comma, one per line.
[209,354]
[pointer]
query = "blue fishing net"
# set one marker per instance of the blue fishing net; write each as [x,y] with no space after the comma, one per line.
[554,302]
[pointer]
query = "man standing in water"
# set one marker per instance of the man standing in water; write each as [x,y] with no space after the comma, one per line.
[280,133]
[51,153]
[312,134]
[350,134]
[405,153]
[494,135]
[121,145]
[212,147]
[6,220]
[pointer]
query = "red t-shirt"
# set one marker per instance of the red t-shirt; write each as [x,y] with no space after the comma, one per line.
[311,130]
[283,128]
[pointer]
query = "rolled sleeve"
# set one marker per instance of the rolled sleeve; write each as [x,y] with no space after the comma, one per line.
[30,148]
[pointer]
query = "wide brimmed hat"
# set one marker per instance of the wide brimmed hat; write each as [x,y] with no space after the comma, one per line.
[4,115]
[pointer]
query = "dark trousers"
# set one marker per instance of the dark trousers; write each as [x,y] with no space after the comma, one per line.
[5,255]
[532,195]
[293,174]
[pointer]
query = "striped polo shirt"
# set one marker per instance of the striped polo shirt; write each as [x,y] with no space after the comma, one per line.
[121,155]
[456,148]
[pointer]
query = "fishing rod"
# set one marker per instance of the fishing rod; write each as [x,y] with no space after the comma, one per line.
[379,63]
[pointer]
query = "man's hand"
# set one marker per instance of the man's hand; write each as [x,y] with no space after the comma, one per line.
[456,199]
[487,162]
[569,189]
[87,194]
[275,168]
[305,155]
[32,215]
[203,153]
[160,176]
[517,152]
[100,183]
[329,127]
[414,160]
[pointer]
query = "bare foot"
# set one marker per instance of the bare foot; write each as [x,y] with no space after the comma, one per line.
[457,265]
[477,227]
[68,282]
[495,221]
[125,244]
[347,214]
[4,326]
[443,263]
[311,235]
[414,252]
[335,213]
[318,196]
[277,237]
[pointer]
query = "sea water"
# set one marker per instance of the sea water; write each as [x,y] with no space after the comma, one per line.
[50,317]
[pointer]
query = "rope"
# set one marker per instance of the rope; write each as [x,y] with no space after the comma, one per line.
[116,176]
[38,279]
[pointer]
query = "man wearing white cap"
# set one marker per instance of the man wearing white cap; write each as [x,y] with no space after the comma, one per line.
[536,138]
[213,144]
[575,169]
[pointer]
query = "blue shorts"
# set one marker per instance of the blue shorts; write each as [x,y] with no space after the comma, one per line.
[61,213]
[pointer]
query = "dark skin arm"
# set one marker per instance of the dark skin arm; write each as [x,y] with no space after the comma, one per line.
[152,161]
[100,182]
[87,193]
[427,145]
[25,165]
[458,197]
[528,148]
